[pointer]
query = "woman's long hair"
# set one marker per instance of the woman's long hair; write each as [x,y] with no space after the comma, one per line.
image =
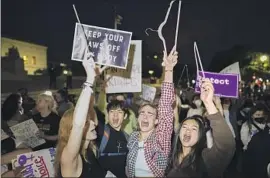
[10,106]
[191,162]
[65,128]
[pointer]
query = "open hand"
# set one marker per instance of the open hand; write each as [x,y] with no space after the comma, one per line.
[91,69]
[170,61]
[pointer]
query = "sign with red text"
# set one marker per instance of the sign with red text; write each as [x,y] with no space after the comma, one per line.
[37,164]
[127,80]
[226,85]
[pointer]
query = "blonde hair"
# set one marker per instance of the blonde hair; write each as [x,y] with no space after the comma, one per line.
[65,128]
[50,100]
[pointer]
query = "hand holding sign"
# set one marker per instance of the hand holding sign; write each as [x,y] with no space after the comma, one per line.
[207,91]
[90,68]
[217,100]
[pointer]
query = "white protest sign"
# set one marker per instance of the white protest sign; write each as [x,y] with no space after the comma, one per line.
[148,93]
[108,46]
[3,135]
[37,164]
[26,132]
[129,80]
[232,69]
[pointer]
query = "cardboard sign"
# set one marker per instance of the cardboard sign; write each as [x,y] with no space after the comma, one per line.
[226,85]
[129,80]
[148,93]
[232,69]
[36,164]
[3,135]
[26,132]
[109,46]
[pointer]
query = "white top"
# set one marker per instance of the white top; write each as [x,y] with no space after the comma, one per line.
[141,167]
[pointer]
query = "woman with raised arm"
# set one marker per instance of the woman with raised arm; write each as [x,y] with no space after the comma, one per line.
[190,157]
[75,156]
[149,148]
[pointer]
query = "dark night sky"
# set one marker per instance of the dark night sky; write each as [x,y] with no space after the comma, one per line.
[216,25]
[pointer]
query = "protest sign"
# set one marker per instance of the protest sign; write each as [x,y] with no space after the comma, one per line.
[36,164]
[232,69]
[226,85]
[26,132]
[108,46]
[129,80]
[148,93]
[3,135]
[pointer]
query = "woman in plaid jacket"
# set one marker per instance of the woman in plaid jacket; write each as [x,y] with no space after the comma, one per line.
[149,148]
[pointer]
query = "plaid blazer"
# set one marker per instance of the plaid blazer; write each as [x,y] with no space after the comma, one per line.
[158,145]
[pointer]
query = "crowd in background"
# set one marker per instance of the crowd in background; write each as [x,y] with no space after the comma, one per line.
[180,134]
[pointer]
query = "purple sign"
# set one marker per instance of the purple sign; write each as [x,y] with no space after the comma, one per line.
[226,85]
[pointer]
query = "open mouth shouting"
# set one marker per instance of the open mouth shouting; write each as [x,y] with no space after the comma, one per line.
[144,124]
[115,121]
[186,137]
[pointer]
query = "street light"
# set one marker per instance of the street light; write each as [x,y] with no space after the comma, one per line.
[151,72]
[263,58]
[155,56]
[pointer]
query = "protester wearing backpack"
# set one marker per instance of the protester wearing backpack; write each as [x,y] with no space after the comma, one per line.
[112,140]
[150,147]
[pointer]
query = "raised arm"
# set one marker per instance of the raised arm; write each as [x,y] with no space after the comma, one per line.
[220,154]
[165,110]
[69,158]
[218,104]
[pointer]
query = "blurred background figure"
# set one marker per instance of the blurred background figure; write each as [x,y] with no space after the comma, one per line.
[63,103]
[28,103]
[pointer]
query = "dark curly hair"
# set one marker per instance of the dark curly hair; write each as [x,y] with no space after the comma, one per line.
[116,104]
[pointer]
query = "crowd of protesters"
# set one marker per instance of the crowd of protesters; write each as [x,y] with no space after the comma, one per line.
[120,136]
